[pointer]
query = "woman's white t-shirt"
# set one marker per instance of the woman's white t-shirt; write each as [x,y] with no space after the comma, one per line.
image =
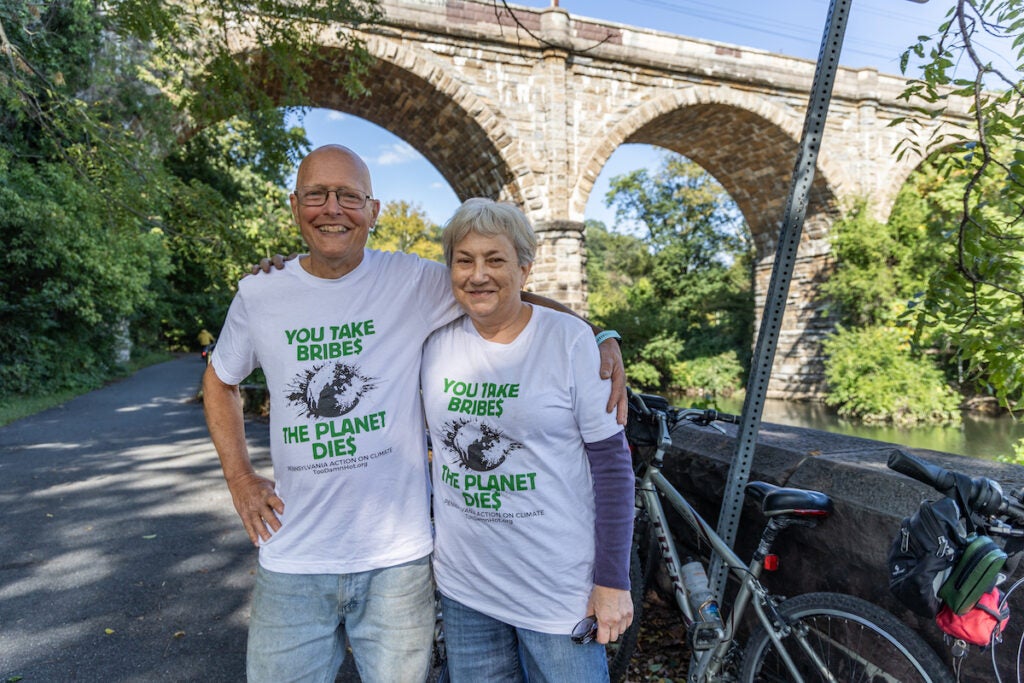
[513,494]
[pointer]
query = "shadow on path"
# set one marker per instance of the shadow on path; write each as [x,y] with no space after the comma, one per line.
[121,557]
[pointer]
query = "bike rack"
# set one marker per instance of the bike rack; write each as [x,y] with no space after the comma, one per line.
[778,288]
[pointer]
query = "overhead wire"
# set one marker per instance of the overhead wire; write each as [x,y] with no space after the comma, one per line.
[808,34]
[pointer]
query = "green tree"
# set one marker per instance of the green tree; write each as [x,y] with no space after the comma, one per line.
[978,292]
[873,376]
[680,286]
[108,217]
[226,208]
[615,262]
[880,267]
[75,270]
[404,227]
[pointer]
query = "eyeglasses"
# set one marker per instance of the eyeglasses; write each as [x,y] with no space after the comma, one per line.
[585,631]
[347,199]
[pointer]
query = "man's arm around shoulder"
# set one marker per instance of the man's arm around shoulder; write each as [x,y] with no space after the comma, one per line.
[611,357]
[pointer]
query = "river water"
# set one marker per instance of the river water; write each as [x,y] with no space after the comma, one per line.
[978,435]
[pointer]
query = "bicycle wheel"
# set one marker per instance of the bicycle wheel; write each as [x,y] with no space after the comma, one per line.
[854,639]
[621,651]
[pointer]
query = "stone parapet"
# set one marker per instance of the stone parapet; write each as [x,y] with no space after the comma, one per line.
[847,553]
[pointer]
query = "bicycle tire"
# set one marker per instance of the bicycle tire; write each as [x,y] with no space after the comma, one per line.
[856,639]
[621,652]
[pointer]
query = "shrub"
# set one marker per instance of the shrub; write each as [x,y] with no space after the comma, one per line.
[644,376]
[719,375]
[873,375]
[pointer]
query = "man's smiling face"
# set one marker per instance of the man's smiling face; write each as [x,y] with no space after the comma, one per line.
[335,235]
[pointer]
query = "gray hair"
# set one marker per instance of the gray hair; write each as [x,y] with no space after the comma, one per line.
[488,217]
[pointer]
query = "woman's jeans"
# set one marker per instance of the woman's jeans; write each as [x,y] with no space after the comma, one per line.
[300,623]
[484,649]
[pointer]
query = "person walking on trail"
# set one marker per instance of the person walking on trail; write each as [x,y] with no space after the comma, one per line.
[343,527]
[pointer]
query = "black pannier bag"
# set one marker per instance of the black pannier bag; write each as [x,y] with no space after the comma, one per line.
[923,554]
[641,427]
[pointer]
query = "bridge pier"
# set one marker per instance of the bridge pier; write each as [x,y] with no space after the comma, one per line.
[559,271]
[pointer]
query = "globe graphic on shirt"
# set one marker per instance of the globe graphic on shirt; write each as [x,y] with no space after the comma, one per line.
[329,390]
[478,446]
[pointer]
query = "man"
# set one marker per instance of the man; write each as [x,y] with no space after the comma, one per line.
[343,528]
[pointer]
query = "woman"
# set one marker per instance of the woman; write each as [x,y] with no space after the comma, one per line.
[523,447]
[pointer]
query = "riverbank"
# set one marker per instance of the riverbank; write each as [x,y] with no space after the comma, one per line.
[980,435]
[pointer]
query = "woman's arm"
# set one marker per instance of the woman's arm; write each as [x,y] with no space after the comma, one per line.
[612,470]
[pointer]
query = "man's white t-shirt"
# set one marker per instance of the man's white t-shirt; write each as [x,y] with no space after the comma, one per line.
[513,494]
[342,361]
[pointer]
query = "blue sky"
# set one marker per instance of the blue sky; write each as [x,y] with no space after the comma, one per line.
[877,33]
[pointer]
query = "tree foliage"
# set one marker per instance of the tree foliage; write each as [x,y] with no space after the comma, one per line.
[141,164]
[679,285]
[873,376]
[405,227]
[979,291]
[882,272]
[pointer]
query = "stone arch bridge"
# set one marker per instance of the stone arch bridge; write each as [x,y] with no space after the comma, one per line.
[529,106]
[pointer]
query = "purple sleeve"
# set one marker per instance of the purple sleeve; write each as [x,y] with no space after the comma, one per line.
[614,502]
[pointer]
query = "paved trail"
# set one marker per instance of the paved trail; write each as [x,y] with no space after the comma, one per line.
[121,557]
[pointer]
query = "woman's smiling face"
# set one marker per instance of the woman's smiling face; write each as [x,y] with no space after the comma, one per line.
[487,278]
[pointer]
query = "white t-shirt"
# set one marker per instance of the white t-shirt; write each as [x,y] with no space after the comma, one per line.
[513,494]
[347,439]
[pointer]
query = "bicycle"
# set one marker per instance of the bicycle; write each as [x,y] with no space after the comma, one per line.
[809,637]
[993,514]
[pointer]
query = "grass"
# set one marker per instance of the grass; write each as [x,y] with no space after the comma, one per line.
[17,406]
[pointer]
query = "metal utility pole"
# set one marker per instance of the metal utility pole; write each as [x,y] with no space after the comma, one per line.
[782,274]
[778,288]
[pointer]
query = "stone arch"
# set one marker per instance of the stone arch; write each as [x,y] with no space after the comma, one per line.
[714,127]
[414,95]
[750,146]
[900,173]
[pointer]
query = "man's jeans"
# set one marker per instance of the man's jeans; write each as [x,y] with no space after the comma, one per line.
[484,649]
[299,625]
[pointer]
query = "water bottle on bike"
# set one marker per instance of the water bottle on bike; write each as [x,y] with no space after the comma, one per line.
[708,629]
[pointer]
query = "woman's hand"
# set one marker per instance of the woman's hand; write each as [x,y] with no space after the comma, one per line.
[613,608]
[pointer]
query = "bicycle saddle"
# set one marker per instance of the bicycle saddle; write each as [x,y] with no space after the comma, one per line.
[776,500]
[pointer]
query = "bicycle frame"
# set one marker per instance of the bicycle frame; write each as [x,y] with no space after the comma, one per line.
[707,664]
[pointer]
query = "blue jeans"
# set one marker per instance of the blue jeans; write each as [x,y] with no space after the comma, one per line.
[484,649]
[299,624]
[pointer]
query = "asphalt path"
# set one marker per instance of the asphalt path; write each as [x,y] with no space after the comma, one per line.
[121,557]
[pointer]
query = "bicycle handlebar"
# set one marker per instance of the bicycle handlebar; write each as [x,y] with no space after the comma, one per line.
[701,417]
[704,417]
[985,495]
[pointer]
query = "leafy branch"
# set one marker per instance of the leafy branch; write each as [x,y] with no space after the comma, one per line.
[979,292]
